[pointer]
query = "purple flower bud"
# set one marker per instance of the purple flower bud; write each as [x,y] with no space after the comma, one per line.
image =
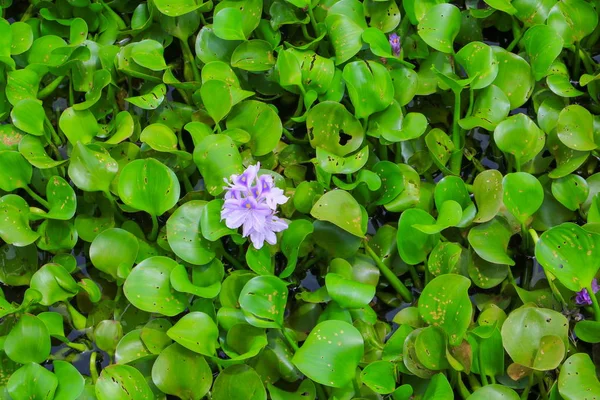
[252,206]
[583,296]
[395,43]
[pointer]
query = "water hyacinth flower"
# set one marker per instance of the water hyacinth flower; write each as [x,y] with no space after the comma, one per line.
[583,297]
[395,43]
[251,203]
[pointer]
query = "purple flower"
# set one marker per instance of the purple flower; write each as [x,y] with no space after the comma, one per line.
[253,206]
[583,297]
[395,43]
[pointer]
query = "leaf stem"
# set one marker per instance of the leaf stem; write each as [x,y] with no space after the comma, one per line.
[114,206]
[525,393]
[462,389]
[232,260]
[313,21]
[154,233]
[93,370]
[189,63]
[577,59]
[517,34]
[541,385]
[36,197]
[321,395]
[305,33]
[289,339]
[595,304]
[50,88]
[390,276]
[456,158]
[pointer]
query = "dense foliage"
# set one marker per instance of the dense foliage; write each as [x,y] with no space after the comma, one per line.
[425,222]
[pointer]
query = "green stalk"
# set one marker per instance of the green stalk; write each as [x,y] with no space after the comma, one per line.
[456,158]
[595,305]
[93,370]
[525,393]
[541,385]
[114,206]
[517,34]
[289,339]
[233,261]
[577,59]
[313,21]
[189,63]
[390,276]
[50,88]
[36,197]
[154,233]
[473,382]
[462,389]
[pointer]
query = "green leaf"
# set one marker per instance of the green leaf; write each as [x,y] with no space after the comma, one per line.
[235,20]
[578,379]
[523,195]
[490,241]
[342,210]
[445,303]
[570,254]
[191,382]
[515,77]
[575,128]
[28,115]
[573,20]
[14,225]
[114,251]
[366,98]
[197,332]
[151,100]
[149,185]
[79,127]
[487,189]
[291,241]
[440,26]
[32,381]
[345,35]
[542,45]
[239,382]
[253,55]
[263,300]
[330,353]
[54,283]
[33,150]
[217,99]
[571,191]
[536,337]
[344,288]
[413,244]
[380,376]
[491,107]
[478,60]
[15,172]
[70,381]
[519,136]
[494,392]
[149,54]
[91,168]
[217,158]
[28,341]
[327,122]
[184,237]
[260,121]
[148,287]
[588,331]
[118,382]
